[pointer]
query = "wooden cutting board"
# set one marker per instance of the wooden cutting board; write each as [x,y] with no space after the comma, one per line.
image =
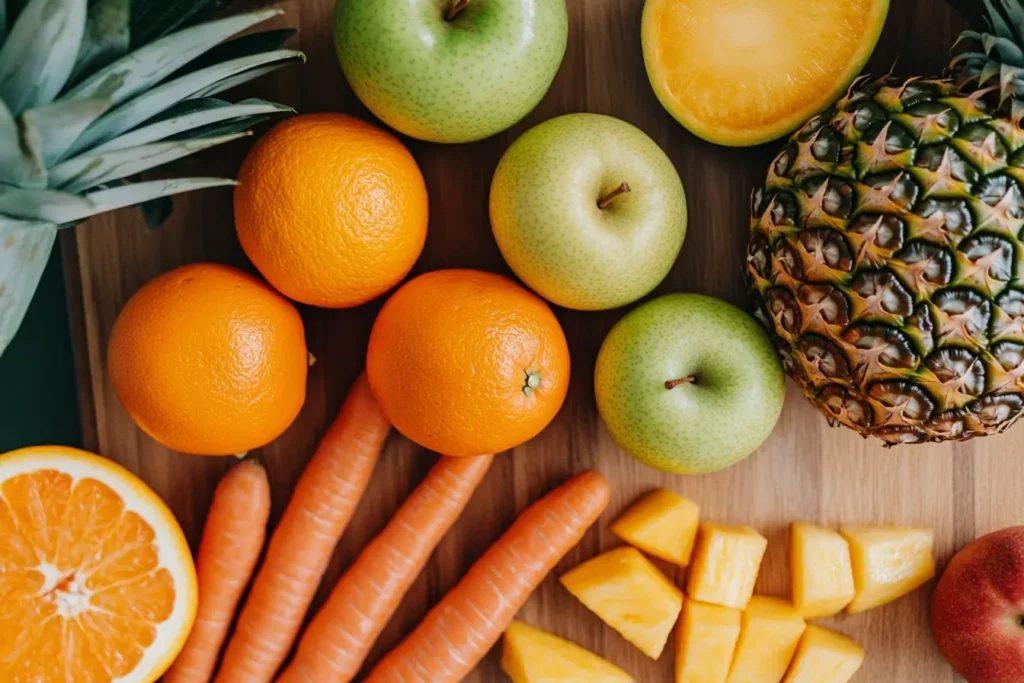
[805,471]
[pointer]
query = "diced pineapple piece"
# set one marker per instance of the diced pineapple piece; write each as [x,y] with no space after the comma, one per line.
[888,562]
[822,578]
[726,560]
[662,524]
[534,656]
[825,656]
[705,642]
[629,594]
[769,633]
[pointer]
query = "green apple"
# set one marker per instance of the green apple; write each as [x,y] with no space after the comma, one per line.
[450,70]
[688,384]
[588,211]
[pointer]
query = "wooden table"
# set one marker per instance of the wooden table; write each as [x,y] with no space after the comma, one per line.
[805,471]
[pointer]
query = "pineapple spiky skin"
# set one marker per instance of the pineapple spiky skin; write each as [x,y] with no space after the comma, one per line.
[886,259]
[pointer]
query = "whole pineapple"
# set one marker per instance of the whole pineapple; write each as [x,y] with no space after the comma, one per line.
[887,248]
[95,92]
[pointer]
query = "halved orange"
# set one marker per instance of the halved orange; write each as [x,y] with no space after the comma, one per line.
[743,72]
[96,579]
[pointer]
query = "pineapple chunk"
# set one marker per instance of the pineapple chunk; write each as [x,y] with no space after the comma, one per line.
[705,642]
[726,560]
[534,656]
[825,656]
[662,524]
[819,561]
[629,594]
[769,634]
[888,562]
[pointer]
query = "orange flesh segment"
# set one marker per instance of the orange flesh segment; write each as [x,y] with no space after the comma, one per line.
[738,69]
[79,580]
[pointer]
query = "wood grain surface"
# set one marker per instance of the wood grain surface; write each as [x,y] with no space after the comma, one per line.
[805,471]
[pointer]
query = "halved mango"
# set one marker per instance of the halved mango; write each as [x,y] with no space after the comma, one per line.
[531,655]
[725,565]
[819,564]
[705,642]
[743,72]
[662,524]
[888,562]
[824,656]
[629,594]
[769,634]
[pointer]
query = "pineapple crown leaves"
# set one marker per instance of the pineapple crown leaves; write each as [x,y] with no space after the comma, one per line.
[84,107]
[1000,58]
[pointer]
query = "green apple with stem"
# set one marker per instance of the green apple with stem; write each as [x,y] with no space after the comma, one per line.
[688,384]
[450,70]
[588,211]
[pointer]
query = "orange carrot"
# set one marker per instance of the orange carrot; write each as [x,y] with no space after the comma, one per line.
[232,540]
[303,542]
[342,633]
[458,632]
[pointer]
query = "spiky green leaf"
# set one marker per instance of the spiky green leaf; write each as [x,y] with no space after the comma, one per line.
[152,19]
[162,97]
[55,127]
[106,39]
[996,21]
[145,67]
[24,250]
[38,55]
[251,44]
[211,111]
[87,171]
[43,205]
[1006,51]
[246,123]
[138,193]
[246,76]
[17,165]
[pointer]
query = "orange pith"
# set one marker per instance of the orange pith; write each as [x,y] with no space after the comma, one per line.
[450,360]
[332,210]
[741,72]
[96,580]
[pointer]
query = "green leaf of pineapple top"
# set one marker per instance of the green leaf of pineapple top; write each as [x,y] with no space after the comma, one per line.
[18,166]
[152,63]
[39,53]
[57,125]
[107,37]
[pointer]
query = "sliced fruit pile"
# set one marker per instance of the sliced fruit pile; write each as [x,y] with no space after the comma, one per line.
[726,634]
[96,576]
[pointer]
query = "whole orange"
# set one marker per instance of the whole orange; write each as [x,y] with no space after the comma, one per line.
[209,360]
[466,363]
[331,210]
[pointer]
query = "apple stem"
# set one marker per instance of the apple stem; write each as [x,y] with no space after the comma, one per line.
[673,383]
[604,201]
[455,8]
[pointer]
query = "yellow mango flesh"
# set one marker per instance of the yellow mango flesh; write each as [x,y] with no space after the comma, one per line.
[726,561]
[888,563]
[705,642]
[825,656]
[769,633]
[662,524]
[629,594]
[530,655]
[821,572]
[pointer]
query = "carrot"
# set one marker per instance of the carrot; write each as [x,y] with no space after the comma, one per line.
[340,636]
[303,542]
[458,632]
[232,540]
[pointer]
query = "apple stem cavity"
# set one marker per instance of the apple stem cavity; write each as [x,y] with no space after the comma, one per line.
[673,383]
[455,8]
[604,201]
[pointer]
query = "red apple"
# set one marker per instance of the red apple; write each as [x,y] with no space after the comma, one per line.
[978,609]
